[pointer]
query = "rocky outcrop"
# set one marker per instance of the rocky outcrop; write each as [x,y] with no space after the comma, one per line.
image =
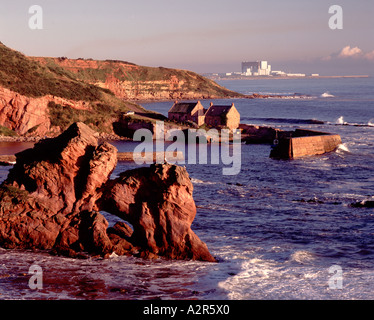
[158,202]
[53,194]
[258,134]
[168,89]
[21,113]
[363,204]
[28,115]
[49,196]
[66,170]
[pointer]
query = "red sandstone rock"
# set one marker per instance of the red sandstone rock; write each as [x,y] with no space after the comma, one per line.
[50,193]
[51,197]
[158,202]
[21,113]
[86,232]
[65,171]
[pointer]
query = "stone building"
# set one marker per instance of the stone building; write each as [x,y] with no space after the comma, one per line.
[187,111]
[222,116]
[216,116]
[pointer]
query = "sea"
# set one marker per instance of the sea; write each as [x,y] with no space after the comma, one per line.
[280,229]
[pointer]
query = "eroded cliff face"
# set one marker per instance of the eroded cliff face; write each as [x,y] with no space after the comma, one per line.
[150,90]
[30,116]
[170,89]
[21,113]
[132,82]
[41,96]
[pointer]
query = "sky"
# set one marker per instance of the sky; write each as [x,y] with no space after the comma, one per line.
[199,35]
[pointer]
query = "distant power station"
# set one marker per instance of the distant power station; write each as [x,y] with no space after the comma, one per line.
[256,68]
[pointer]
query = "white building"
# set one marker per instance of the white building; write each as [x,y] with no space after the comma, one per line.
[256,68]
[278,73]
[296,74]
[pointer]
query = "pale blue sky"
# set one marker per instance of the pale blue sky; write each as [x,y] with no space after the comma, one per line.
[200,35]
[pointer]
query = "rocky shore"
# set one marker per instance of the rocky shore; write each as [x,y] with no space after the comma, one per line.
[101,136]
[52,198]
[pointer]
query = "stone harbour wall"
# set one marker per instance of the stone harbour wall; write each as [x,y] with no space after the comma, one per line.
[315,145]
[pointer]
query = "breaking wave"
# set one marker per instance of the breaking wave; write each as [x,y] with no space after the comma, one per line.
[198,181]
[340,120]
[343,147]
[327,95]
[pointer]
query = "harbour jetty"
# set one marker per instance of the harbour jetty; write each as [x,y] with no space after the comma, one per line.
[291,144]
[302,143]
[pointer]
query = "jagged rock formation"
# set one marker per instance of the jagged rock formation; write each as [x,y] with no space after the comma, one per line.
[26,115]
[158,202]
[53,194]
[49,197]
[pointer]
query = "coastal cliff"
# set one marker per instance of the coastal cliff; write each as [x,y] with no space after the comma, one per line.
[43,100]
[44,96]
[133,82]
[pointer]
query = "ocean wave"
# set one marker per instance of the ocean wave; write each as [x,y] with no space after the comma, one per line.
[341,122]
[198,181]
[302,256]
[343,147]
[327,95]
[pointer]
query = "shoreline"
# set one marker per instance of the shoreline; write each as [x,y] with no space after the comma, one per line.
[10,159]
[218,78]
[35,139]
[115,137]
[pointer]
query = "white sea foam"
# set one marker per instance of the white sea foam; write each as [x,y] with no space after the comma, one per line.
[267,279]
[371,122]
[327,95]
[198,181]
[194,180]
[340,120]
[343,147]
[302,256]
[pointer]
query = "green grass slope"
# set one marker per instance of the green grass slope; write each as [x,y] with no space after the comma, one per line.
[30,78]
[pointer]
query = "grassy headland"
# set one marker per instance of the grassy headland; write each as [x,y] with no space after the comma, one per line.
[106,89]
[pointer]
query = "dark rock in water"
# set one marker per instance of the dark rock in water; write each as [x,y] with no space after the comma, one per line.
[312,200]
[363,204]
[53,193]
[158,202]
